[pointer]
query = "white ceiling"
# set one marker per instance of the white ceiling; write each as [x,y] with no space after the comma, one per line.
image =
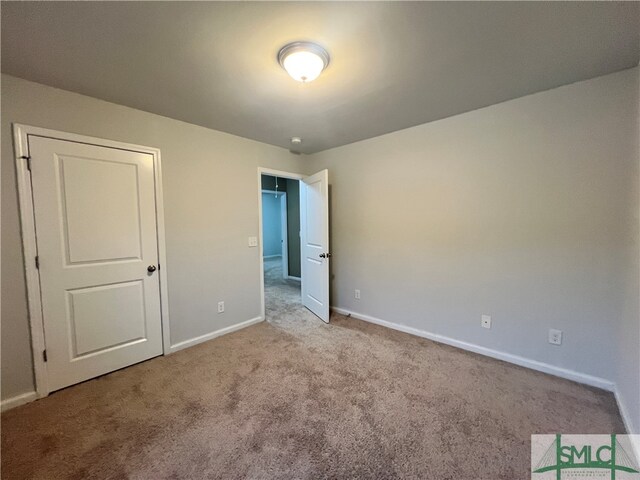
[393,65]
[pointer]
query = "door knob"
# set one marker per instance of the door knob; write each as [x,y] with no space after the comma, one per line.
[151,268]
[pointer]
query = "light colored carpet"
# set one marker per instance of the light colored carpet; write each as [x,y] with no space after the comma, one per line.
[282,297]
[295,398]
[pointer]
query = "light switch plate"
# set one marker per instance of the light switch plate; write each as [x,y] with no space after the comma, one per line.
[253,241]
[485,321]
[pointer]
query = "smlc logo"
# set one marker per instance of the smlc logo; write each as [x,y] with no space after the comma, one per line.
[584,457]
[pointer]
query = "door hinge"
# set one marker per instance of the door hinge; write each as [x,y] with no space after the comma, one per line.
[44,355]
[37,262]
[28,159]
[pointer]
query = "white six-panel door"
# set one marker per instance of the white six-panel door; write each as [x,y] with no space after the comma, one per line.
[95,218]
[314,229]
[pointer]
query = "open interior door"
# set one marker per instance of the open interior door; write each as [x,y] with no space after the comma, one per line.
[314,228]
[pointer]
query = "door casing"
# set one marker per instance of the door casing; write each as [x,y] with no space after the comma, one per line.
[21,135]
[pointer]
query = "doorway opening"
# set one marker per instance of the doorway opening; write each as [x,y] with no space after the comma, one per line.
[304,216]
[281,257]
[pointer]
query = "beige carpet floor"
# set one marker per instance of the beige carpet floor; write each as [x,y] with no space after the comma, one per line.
[293,398]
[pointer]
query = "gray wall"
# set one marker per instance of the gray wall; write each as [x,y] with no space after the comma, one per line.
[271,225]
[293,226]
[526,210]
[206,233]
[269,183]
[628,358]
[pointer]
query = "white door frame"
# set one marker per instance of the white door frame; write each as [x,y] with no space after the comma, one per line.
[21,135]
[284,231]
[285,235]
[273,173]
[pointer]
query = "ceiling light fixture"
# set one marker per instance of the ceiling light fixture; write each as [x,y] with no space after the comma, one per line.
[296,140]
[304,61]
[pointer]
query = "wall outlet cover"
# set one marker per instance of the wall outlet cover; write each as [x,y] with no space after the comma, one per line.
[220,307]
[253,241]
[555,337]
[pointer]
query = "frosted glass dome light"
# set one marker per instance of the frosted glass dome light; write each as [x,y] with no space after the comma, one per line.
[304,61]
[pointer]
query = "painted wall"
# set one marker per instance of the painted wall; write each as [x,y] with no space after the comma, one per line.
[628,347]
[293,226]
[207,254]
[269,183]
[271,225]
[525,210]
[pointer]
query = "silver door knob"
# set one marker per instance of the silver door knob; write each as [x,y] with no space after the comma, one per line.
[151,268]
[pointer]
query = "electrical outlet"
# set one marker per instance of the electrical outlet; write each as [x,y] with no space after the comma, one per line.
[485,321]
[220,307]
[357,294]
[555,337]
[253,241]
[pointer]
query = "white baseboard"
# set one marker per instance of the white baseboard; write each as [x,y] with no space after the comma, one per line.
[629,426]
[267,257]
[209,336]
[471,347]
[626,418]
[291,277]
[18,400]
